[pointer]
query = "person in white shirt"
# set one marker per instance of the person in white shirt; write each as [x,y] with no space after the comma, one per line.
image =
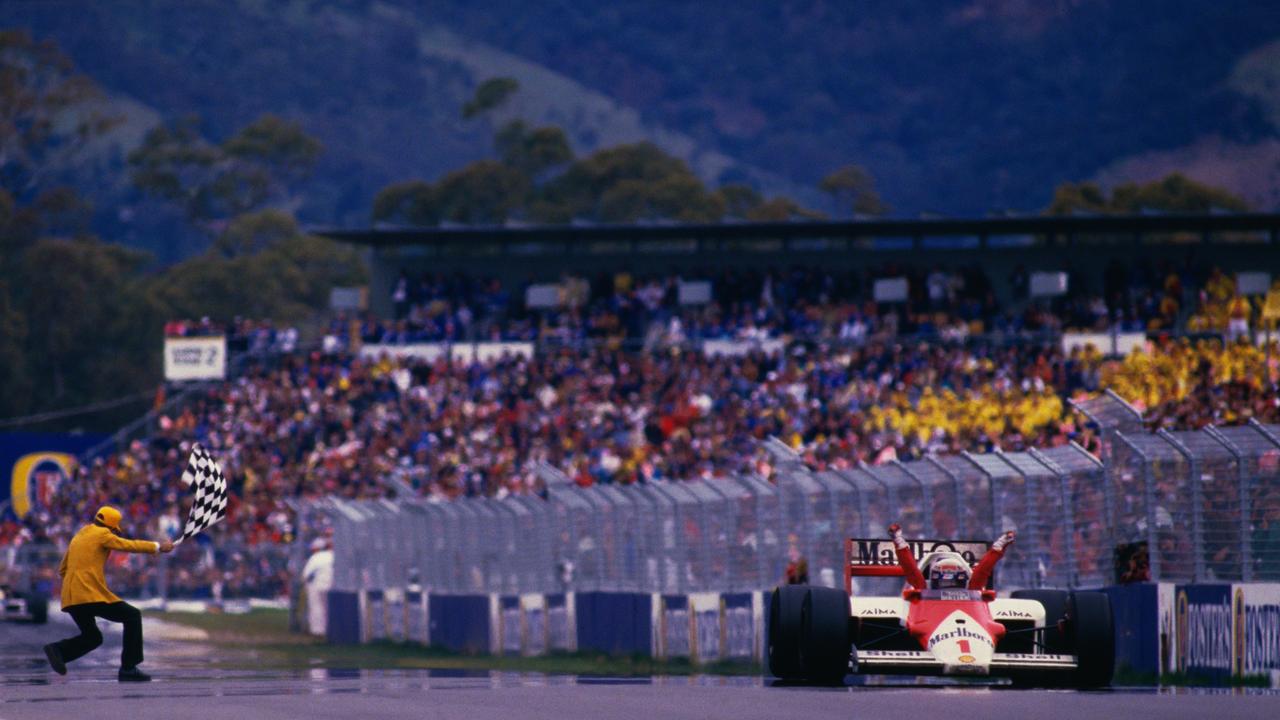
[317,574]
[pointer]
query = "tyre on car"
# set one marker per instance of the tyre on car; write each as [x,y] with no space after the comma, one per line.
[1093,637]
[785,607]
[824,635]
[1055,613]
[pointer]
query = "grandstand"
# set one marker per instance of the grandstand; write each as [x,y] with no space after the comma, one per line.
[587,393]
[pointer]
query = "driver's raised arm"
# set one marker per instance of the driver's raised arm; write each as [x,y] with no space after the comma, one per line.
[982,573]
[906,560]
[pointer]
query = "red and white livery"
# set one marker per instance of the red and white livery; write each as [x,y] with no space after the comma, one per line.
[948,620]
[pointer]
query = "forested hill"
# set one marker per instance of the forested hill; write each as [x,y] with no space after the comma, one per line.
[955,107]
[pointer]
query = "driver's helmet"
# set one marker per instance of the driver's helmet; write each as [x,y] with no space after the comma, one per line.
[948,571]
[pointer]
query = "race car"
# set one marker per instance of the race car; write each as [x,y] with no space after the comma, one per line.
[25,586]
[19,606]
[1037,638]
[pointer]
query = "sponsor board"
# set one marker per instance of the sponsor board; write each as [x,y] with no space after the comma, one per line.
[1256,637]
[705,610]
[878,551]
[396,609]
[416,617]
[560,622]
[34,468]
[1203,625]
[1166,594]
[1221,629]
[738,626]
[457,352]
[738,348]
[375,608]
[509,625]
[675,629]
[195,358]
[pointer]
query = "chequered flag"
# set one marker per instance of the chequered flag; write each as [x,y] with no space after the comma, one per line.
[210,504]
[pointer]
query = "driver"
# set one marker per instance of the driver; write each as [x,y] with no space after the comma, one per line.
[948,572]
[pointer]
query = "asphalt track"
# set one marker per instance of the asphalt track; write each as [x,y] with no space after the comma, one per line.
[187,689]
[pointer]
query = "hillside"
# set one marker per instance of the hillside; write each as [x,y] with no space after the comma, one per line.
[957,107]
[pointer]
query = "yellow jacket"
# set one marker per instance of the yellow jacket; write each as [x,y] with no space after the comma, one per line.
[83,580]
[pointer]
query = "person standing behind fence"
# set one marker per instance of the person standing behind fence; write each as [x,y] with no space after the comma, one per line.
[797,572]
[318,576]
[85,596]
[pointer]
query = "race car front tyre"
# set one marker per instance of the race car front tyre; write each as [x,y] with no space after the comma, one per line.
[824,635]
[785,606]
[1093,634]
[1055,611]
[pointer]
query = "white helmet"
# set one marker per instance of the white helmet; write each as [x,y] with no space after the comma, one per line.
[946,570]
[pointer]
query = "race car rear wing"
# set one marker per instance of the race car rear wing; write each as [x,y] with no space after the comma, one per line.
[875,557]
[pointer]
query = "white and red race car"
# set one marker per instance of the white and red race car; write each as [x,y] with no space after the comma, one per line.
[1035,637]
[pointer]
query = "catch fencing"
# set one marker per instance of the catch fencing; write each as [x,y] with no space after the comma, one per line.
[1203,506]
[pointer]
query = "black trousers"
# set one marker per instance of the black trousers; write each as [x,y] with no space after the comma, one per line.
[86,618]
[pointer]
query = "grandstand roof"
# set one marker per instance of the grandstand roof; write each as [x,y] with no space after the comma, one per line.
[979,230]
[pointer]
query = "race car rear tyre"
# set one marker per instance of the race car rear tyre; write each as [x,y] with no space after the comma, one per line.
[824,635]
[785,607]
[1092,628]
[1055,611]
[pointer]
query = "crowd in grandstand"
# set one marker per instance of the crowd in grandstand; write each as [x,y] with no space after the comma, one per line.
[809,302]
[333,422]
[242,334]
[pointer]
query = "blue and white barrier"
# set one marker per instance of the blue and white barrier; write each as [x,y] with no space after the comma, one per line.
[1211,630]
[703,626]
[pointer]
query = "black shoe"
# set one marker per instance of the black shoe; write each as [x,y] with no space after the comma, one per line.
[133,674]
[52,652]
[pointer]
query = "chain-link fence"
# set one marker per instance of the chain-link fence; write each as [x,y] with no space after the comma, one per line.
[1192,506]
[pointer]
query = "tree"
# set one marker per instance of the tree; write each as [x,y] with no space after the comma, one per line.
[632,178]
[1072,198]
[739,200]
[853,187]
[90,328]
[42,115]
[280,273]
[411,202]
[532,152]
[490,94]
[1174,193]
[484,192]
[256,167]
[781,209]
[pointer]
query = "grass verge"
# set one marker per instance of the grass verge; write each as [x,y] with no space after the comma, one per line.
[1126,677]
[265,636]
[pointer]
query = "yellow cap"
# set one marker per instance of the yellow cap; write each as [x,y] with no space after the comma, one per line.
[109,516]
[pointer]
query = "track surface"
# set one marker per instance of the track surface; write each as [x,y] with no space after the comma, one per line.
[186,688]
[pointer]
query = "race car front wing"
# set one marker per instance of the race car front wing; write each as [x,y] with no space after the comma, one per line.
[919,662]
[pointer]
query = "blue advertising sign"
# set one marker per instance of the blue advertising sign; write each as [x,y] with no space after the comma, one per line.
[34,465]
[1203,623]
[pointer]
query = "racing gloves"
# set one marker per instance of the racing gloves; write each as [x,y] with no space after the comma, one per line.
[895,534]
[1003,541]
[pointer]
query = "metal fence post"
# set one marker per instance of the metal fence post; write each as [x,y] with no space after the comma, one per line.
[991,491]
[1068,514]
[1242,485]
[957,488]
[1149,503]
[1197,503]
[1275,441]
[926,494]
